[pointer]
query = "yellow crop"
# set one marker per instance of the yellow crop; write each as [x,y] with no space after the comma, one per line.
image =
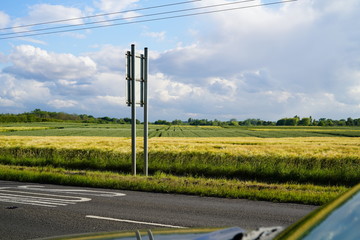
[301,146]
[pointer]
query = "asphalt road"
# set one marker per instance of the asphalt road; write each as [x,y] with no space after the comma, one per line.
[30,211]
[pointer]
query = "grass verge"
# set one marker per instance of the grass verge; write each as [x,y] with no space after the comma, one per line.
[164,183]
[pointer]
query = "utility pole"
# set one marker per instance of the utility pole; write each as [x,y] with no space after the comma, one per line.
[137,81]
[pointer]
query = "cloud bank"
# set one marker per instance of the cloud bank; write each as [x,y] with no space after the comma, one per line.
[270,62]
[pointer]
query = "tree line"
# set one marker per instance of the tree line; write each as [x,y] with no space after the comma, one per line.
[294,121]
[308,121]
[38,115]
[44,116]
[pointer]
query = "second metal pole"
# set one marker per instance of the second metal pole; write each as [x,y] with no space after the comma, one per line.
[146,160]
[133,110]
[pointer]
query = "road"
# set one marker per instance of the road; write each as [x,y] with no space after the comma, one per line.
[29,211]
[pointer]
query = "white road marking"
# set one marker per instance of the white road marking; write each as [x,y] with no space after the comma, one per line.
[132,221]
[73,191]
[39,199]
[30,195]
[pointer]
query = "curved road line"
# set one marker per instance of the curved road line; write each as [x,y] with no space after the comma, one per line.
[29,194]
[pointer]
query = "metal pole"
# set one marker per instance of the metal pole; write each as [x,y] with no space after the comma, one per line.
[146,157]
[133,110]
[142,77]
[128,77]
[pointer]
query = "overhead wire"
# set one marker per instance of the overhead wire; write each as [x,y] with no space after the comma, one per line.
[100,15]
[126,18]
[145,20]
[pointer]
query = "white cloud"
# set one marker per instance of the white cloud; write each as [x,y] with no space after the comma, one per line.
[114,5]
[19,93]
[35,63]
[167,90]
[279,96]
[7,102]
[4,19]
[59,103]
[33,40]
[42,13]
[109,58]
[108,83]
[63,81]
[159,36]
[47,12]
[224,89]
[3,58]
[271,62]
[112,100]
[353,88]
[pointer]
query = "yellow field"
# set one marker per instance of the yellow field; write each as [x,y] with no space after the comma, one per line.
[309,170]
[333,147]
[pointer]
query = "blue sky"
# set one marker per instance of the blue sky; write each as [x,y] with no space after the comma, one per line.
[300,58]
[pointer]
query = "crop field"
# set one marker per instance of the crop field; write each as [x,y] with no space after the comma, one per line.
[118,130]
[301,164]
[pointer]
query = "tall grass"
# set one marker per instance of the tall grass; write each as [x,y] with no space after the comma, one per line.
[326,161]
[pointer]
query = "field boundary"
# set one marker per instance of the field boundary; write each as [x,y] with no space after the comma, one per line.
[164,183]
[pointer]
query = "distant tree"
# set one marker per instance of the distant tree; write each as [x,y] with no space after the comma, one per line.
[162,122]
[255,122]
[292,121]
[176,122]
[233,122]
[281,122]
[288,121]
[202,122]
[329,122]
[305,122]
[216,123]
[127,120]
[269,123]
[357,122]
[341,122]
[349,122]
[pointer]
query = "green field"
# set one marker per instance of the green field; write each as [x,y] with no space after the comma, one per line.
[285,164]
[119,130]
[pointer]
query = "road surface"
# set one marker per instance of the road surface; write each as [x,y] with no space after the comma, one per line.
[29,211]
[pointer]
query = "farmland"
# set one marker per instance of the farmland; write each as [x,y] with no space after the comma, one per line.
[123,130]
[288,164]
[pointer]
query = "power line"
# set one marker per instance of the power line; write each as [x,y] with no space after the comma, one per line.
[99,15]
[126,18]
[149,20]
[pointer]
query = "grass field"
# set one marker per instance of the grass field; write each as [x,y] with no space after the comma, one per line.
[301,164]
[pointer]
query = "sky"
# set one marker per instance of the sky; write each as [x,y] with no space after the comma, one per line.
[268,62]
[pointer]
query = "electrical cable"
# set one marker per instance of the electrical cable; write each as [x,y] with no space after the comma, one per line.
[126,18]
[99,15]
[148,20]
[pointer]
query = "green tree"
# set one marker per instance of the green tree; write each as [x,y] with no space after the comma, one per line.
[162,122]
[349,122]
[305,122]
[176,122]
